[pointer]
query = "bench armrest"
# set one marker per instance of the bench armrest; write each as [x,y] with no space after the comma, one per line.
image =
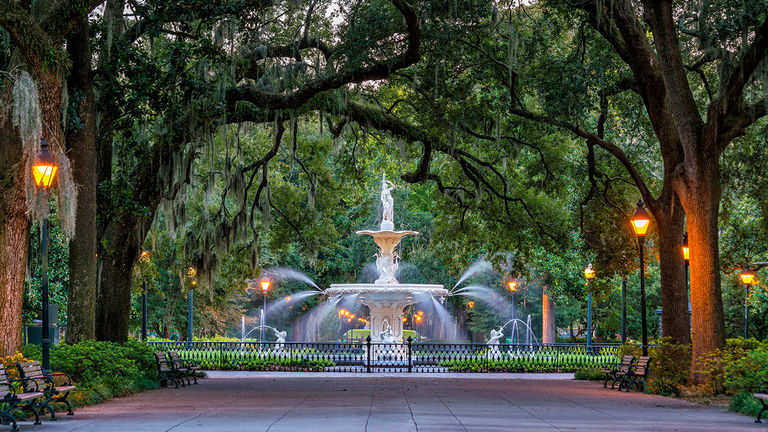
[24,383]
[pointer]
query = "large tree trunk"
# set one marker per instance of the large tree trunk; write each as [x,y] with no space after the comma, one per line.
[548,328]
[81,143]
[700,193]
[14,239]
[117,256]
[670,219]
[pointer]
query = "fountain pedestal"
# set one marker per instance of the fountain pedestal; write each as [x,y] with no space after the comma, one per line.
[386,303]
[386,298]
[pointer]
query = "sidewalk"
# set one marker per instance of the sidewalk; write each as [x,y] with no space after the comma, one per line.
[308,402]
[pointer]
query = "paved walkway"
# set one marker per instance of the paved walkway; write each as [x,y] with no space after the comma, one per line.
[338,402]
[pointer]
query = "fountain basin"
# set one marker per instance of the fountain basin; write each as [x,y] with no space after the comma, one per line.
[386,303]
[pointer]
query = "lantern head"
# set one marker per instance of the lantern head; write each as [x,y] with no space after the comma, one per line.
[640,220]
[264,285]
[44,169]
[686,249]
[512,285]
[747,276]
[589,272]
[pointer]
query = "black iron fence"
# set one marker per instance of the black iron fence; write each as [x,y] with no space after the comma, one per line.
[367,356]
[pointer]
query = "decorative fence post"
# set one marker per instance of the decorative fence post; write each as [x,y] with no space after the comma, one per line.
[410,347]
[368,356]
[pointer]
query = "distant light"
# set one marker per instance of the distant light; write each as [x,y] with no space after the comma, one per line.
[686,250]
[471,304]
[288,298]
[747,276]
[191,272]
[144,256]
[589,272]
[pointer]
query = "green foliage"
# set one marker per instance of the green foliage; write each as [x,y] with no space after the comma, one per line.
[102,370]
[745,374]
[543,360]
[670,365]
[590,374]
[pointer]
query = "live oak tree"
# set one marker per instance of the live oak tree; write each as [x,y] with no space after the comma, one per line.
[699,69]
[35,62]
[200,80]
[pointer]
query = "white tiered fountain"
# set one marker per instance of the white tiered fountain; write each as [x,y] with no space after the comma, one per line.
[386,297]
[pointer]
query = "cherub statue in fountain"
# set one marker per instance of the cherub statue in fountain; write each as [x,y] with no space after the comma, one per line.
[387,204]
[280,342]
[386,336]
[493,343]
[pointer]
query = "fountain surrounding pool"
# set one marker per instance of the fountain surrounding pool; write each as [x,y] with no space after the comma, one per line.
[387,297]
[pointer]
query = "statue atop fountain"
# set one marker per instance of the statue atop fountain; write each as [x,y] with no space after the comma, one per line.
[387,205]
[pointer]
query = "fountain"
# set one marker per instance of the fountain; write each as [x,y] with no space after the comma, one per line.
[387,297]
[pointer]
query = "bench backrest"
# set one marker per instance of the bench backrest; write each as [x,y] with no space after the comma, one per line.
[31,372]
[162,362]
[642,366]
[626,363]
[173,357]
[5,388]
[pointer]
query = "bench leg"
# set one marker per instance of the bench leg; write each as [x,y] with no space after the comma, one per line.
[44,405]
[69,405]
[7,416]
[31,407]
[760,414]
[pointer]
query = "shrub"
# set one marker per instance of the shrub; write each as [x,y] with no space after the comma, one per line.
[102,370]
[670,366]
[10,364]
[590,374]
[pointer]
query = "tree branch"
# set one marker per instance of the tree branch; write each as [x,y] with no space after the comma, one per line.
[378,70]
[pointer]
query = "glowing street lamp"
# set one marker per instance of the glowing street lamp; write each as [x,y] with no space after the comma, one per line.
[44,173]
[640,222]
[747,276]
[144,259]
[192,274]
[512,286]
[686,249]
[264,289]
[589,273]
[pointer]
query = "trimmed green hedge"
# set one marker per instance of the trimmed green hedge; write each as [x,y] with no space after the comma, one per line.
[102,370]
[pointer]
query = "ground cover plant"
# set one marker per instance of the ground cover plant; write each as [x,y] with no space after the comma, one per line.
[101,370]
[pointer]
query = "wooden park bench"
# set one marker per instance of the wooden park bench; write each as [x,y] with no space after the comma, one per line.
[166,371]
[14,400]
[636,375]
[55,386]
[611,372]
[762,396]
[187,368]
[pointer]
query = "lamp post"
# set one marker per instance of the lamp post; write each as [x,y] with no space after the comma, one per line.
[264,288]
[640,222]
[44,172]
[624,311]
[192,273]
[144,258]
[747,276]
[686,257]
[589,273]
